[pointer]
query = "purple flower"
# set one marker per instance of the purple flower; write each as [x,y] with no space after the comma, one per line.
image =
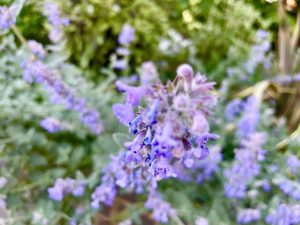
[284,215]
[52,125]
[57,22]
[149,72]
[120,64]
[259,53]
[162,210]
[290,188]
[246,216]
[123,112]
[65,186]
[245,166]
[127,35]
[250,118]
[293,163]
[34,70]
[36,48]
[7,16]
[201,221]
[233,109]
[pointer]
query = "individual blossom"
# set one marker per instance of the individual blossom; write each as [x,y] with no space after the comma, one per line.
[56,21]
[36,48]
[162,211]
[65,186]
[52,125]
[7,16]
[148,72]
[246,166]
[126,222]
[233,109]
[293,163]
[246,216]
[284,215]
[127,35]
[201,221]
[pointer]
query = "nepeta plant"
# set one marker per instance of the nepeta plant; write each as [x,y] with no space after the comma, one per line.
[172,124]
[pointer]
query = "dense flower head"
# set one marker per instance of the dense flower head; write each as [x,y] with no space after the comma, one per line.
[34,70]
[174,121]
[62,187]
[52,125]
[127,35]
[7,16]
[285,215]
[246,216]
[245,167]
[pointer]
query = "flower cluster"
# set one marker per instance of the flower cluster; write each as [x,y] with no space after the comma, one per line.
[246,216]
[7,16]
[174,121]
[52,125]
[259,52]
[34,70]
[56,21]
[162,210]
[285,215]
[65,186]
[120,60]
[118,174]
[245,166]
[199,170]
[249,119]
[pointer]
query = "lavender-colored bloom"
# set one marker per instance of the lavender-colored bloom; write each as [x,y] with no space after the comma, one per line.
[127,35]
[123,51]
[259,53]
[133,94]
[149,72]
[246,216]
[161,134]
[34,70]
[245,166]
[57,22]
[36,48]
[201,221]
[290,188]
[120,64]
[7,16]
[293,163]
[285,215]
[162,210]
[250,118]
[52,125]
[233,109]
[123,112]
[65,186]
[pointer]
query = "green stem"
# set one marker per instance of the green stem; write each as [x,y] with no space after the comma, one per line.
[18,35]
